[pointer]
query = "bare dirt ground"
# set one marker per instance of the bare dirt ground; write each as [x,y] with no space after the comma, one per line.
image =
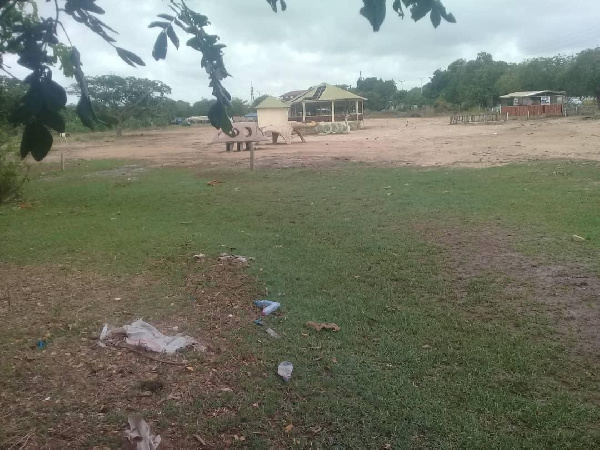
[76,394]
[563,293]
[419,142]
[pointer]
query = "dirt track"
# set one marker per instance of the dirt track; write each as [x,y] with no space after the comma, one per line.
[421,142]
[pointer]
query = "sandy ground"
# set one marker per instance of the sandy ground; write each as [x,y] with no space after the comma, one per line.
[420,142]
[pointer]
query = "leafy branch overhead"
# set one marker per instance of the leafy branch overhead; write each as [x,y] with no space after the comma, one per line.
[30,37]
[193,23]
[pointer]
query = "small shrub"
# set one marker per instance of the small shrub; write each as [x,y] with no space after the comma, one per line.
[11,170]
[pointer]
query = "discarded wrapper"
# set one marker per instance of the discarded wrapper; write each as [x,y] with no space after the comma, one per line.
[139,433]
[235,258]
[144,335]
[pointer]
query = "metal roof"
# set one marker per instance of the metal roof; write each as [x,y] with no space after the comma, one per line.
[272,103]
[532,94]
[293,94]
[326,93]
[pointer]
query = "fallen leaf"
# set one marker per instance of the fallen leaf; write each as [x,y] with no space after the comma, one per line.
[318,326]
[199,439]
[289,428]
[190,368]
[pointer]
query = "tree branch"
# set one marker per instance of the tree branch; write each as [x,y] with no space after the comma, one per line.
[6,71]
[7,9]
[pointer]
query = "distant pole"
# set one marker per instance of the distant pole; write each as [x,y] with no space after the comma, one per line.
[422,78]
[401,84]
[251,92]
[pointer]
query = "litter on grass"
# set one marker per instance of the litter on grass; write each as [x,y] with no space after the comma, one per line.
[235,258]
[139,433]
[323,326]
[267,306]
[285,370]
[143,335]
[271,332]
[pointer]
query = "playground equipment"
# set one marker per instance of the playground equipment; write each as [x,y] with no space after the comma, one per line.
[244,134]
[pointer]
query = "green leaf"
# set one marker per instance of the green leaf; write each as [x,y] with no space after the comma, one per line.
[421,9]
[55,96]
[166,17]
[34,98]
[129,57]
[173,37]
[19,115]
[160,47]
[219,118]
[52,119]
[159,24]
[86,112]
[36,140]
[436,17]
[90,5]
[374,11]
[397,5]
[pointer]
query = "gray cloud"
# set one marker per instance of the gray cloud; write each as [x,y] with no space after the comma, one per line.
[327,40]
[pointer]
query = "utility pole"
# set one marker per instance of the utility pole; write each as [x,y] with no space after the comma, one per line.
[251,93]
[422,78]
[401,84]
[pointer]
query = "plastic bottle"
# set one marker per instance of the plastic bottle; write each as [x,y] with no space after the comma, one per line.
[285,370]
[267,306]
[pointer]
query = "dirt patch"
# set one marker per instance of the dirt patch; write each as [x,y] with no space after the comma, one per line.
[75,394]
[388,142]
[567,294]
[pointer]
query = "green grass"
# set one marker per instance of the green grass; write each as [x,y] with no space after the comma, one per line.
[413,368]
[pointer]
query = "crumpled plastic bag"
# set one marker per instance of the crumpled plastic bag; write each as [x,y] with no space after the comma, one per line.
[144,335]
[140,434]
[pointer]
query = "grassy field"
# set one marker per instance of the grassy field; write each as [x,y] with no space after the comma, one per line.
[429,355]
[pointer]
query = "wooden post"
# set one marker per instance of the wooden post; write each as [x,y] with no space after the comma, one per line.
[62,161]
[303,112]
[333,111]
[357,110]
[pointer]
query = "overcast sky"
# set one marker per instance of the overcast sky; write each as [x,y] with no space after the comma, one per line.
[327,40]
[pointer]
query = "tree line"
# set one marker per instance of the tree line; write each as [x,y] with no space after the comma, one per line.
[121,102]
[481,81]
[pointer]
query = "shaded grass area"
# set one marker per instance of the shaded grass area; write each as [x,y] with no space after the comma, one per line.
[410,367]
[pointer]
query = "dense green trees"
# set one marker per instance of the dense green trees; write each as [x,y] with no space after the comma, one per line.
[117,99]
[481,81]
